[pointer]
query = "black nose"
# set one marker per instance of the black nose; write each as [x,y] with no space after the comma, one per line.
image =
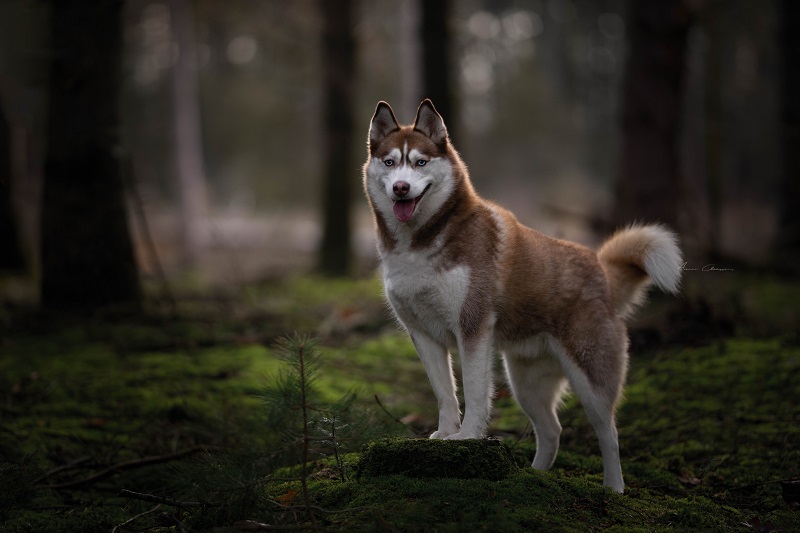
[401,188]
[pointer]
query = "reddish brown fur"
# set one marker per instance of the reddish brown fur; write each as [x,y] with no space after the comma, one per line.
[462,270]
[547,285]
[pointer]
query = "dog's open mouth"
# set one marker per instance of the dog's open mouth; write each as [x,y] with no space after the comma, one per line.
[403,209]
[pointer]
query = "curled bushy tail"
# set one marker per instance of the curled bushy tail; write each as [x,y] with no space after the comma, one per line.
[636,257]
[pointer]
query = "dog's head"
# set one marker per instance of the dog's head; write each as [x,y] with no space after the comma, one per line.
[409,171]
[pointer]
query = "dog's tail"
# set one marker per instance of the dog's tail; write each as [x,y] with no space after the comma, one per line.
[636,257]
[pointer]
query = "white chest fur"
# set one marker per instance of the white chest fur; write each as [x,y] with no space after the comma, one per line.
[423,297]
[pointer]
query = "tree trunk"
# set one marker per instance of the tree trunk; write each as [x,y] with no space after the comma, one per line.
[436,60]
[11,258]
[190,165]
[339,72]
[648,184]
[789,230]
[410,59]
[87,256]
[713,126]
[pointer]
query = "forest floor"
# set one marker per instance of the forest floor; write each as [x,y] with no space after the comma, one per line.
[167,422]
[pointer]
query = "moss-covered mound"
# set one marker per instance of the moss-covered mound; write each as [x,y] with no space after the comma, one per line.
[427,458]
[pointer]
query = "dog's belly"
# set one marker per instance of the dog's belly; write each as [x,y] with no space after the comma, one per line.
[426,299]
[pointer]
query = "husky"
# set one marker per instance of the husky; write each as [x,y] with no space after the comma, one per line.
[461,273]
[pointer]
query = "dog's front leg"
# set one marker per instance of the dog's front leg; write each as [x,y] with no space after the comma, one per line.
[440,373]
[476,368]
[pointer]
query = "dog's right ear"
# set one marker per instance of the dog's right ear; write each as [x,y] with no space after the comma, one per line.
[383,123]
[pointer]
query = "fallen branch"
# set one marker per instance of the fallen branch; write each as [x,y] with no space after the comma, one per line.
[56,470]
[393,417]
[127,465]
[252,525]
[285,507]
[152,498]
[134,518]
[763,483]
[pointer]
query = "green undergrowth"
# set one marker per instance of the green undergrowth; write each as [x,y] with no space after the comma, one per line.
[173,406]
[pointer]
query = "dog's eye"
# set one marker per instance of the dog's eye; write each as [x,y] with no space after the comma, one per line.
[389,162]
[421,163]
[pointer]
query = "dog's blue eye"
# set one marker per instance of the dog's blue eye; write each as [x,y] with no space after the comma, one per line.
[389,162]
[421,163]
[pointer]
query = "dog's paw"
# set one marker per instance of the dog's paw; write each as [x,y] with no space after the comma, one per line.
[463,435]
[445,431]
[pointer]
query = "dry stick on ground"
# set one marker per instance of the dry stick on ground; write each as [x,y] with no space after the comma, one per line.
[416,431]
[127,465]
[252,525]
[152,498]
[134,518]
[56,470]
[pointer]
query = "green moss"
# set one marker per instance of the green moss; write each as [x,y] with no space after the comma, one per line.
[524,500]
[424,458]
[706,433]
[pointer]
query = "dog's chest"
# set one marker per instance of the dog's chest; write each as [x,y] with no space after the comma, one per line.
[426,296]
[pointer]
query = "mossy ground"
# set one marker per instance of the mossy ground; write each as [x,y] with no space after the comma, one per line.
[708,428]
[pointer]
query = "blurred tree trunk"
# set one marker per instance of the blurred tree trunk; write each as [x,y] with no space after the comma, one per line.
[648,184]
[87,256]
[190,165]
[436,59]
[11,258]
[338,59]
[410,59]
[789,229]
[713,126]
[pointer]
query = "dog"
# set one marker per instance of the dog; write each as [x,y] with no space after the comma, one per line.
[461,272]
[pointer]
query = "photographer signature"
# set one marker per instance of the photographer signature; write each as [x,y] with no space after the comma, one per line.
[707,268]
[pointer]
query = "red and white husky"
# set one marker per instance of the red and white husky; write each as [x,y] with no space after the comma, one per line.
[461,272]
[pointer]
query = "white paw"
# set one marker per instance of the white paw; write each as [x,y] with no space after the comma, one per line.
[463,435]
[445,433]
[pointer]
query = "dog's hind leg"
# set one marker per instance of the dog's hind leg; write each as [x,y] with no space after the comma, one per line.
[599,398]
[601,415]
[537,382]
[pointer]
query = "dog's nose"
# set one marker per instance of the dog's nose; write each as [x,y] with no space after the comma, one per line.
[401,188]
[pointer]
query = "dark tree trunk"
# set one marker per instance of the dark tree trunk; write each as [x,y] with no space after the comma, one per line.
[648,184]
[11,258]
[338,60]
[436,83]
[789,230]
[87,256]
[713,127]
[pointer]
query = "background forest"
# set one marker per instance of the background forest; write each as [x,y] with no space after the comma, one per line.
[180,188]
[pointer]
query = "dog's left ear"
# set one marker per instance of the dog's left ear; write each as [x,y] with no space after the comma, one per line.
[430,122]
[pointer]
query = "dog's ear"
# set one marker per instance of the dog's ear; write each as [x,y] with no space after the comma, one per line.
[430,122]
[383,123]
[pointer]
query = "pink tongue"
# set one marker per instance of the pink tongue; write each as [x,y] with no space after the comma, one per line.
[403,209]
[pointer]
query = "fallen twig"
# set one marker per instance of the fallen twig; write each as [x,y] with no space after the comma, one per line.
[134,518]
[393,417]
[152,498]
[252,525]
[762,483]
[127,465]
[71,464]
[285,507]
